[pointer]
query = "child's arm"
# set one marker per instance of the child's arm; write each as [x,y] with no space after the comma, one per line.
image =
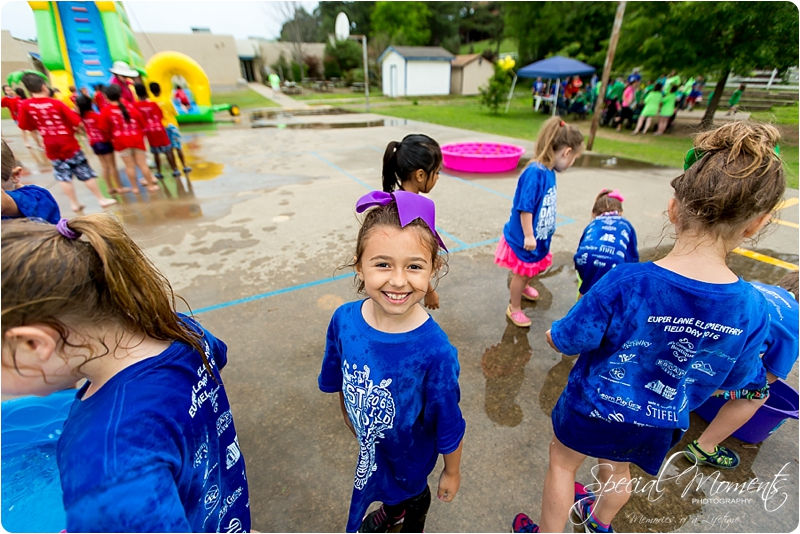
[344,414]
[450,479]
[9,207]
[526,218]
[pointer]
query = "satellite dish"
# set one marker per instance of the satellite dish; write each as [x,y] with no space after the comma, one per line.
[342,27]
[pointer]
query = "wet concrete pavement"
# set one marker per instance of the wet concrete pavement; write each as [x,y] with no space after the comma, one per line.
[254,247]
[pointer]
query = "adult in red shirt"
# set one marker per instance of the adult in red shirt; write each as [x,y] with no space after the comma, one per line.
[125,126]
[101,145]
[122,76]
[11,101]
[56,123]
[157,135]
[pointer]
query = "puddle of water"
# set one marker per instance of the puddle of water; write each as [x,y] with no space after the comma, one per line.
[317,125]
[278,113]
[599,161]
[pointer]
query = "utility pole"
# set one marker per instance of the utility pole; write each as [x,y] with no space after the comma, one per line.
[612,48]
[366,66]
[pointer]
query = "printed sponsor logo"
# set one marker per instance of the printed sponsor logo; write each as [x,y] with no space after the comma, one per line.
[212,497]
[636,343]
[637,423]
[233,453]
[662,413]
[626,358]
[229,500]
[671,369]
[627,403]
[620,254]
[662,389]
[596,414]
[200,454]
[234,526]
[608,238]
[607,250]
[618,373]
[224,421]
[625,234]
[616,417]
[682,350]
[684,403]
[703,367]
[598,263]
[582,259]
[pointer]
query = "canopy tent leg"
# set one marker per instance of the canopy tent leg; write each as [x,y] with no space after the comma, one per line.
[511,93]
[555,102]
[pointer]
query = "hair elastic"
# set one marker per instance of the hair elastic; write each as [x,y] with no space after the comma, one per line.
[561,123]
[615,194]
[409,207]
[65,230]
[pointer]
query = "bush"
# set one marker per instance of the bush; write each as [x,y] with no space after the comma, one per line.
[282,67]
[496,90]
[331,67]
[296,71]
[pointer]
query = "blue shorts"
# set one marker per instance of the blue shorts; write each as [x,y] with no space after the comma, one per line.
[63,169]
[101,148]
[593,270]
[646,447]
[161,149]
[174,136]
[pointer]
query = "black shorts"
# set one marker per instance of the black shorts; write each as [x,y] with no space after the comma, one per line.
[102,148]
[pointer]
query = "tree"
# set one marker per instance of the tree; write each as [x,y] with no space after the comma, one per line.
[443,22]
[496,89]
[710,38]
[543,28]
[405,23]
[480,21]
[297,29]
[342,56]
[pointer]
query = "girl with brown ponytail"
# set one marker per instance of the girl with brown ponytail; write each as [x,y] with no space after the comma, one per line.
[150,433]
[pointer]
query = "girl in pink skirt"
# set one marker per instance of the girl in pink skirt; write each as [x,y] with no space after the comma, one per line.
[525,245]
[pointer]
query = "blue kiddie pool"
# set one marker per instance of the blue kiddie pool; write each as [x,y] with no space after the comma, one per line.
[31,487]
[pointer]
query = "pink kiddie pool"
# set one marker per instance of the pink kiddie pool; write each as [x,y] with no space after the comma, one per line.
[481,157]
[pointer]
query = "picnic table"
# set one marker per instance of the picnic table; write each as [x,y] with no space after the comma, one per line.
[291,88]
[357,87]
[323,86]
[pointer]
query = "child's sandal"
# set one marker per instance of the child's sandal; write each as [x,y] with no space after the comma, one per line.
[530,293]
[518,317]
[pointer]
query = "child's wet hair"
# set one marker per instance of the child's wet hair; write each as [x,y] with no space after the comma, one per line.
[155,88]
[387,216]
[8,162]
[555,135]
[141,90]
[790,283]
[401,160]
[84,104]
[114,94]
[21,93]
[603,203]
[101,279]
[738,178]
[32,82]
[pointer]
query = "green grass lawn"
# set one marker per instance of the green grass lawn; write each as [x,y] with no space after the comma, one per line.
[778,115]
[5,114]
[521,122]
[245,99]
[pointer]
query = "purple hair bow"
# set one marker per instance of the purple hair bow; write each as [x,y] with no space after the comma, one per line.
[409,207]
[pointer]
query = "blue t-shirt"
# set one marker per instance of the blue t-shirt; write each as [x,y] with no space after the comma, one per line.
[536,194]
[781,346]
[155,449]
[401,393]
[608,241]
[654,345]
[35,202]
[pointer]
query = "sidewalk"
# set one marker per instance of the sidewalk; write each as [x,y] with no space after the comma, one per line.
[286,102]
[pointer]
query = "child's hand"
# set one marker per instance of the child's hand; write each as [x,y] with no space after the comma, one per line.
[432,300]
[530,243]
[550,340]
[448,485]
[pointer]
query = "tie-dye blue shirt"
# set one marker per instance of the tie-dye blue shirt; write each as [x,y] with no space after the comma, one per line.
[654,345]
[536,193]
[155,449]
[401,394]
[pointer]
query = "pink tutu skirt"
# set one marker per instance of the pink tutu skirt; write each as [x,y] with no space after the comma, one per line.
[504,257]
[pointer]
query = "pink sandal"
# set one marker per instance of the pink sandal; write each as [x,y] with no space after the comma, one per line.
[518,317]
[530,293]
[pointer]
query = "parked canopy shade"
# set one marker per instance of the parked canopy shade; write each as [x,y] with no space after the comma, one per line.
[556,67]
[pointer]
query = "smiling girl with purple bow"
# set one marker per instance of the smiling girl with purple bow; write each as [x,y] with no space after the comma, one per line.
[394,369]
[608,241]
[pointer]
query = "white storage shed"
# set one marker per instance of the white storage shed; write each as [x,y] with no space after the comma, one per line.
[415,70]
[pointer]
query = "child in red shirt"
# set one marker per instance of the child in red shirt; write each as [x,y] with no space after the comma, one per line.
[180,94]
[11,100]
[156,133]
[100,99]
[56,123]
[101,144]
[125,125]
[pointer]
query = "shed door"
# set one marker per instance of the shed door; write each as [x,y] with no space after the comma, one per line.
[393,81]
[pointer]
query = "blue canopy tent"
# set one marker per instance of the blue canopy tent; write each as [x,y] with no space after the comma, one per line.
[557,67]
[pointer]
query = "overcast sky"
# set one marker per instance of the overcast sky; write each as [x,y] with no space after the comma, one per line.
[241,19]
